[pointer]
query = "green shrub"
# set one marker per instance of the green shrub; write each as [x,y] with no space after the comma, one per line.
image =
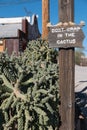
[29,89]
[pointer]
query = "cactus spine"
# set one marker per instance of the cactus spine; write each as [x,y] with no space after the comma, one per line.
[29,88]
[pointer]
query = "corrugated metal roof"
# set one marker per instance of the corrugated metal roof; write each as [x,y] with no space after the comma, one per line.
[13,20]
[9,27]
[9,30]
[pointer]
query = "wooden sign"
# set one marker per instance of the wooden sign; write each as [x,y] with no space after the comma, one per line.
[65,36]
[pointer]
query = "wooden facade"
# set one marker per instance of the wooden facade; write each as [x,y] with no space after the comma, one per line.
[16,32]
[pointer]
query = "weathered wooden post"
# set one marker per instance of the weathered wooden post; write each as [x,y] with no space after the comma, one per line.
[45,18]
[66,36]
[66,66]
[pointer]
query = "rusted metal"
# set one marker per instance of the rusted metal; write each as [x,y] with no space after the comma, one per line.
[66,69]
[22,40]
[12,45]
[25,27]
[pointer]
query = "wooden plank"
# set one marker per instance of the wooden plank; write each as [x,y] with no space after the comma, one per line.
[66,83]
[22,34]
[66,69]
[65,36]
[45,18]
[12,45]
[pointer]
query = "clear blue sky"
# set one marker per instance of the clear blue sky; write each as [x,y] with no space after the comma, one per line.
[16,8]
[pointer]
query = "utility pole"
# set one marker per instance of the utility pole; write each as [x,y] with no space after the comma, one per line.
[66,69]
[66,35]
[45,18]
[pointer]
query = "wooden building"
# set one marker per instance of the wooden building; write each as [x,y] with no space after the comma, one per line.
[16,32]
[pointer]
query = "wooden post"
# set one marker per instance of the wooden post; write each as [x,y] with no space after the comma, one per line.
[66,69]
[45,18]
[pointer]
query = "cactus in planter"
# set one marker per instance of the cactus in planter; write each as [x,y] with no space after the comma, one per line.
[29,89]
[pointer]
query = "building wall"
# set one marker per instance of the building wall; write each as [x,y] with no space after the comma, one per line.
[2,45]
[16,33]
[12,45]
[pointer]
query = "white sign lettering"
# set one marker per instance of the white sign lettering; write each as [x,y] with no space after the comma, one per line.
[66,36]
[69,29]
[70,34]
[67,41]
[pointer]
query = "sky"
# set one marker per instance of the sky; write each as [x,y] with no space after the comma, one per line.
[19,8]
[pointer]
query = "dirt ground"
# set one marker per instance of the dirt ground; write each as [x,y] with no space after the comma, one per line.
[81,88]
[80,78]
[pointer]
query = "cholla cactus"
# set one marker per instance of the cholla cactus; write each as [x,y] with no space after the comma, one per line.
[29,89]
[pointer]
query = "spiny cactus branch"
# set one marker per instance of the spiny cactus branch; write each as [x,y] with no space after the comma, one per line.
[29,89]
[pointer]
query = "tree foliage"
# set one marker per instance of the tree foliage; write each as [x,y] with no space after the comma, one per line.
[78,55]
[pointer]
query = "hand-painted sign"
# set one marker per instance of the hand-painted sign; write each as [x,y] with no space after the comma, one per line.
[65,36]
